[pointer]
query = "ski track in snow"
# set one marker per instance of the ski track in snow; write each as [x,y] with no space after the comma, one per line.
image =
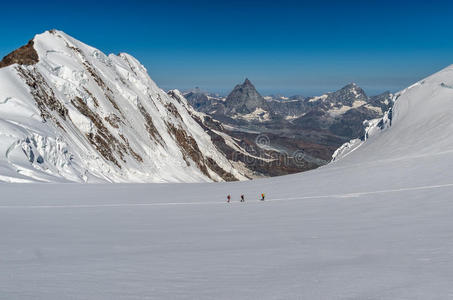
[6,100]
[386,160]
[345,195]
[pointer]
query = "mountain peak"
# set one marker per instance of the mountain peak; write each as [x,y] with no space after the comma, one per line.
[352,88]
[108,122]
[351,85]
[29,53]
[197,90]
[244,99]
[247,82]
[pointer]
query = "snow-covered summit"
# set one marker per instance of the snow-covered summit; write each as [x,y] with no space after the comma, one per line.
[68,112]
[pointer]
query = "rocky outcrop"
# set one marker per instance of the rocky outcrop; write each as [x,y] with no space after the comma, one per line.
[25,55]
[43,94]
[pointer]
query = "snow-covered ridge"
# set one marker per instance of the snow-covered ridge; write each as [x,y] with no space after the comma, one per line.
[258,114]
[76,114]
[420,122]
[318,98]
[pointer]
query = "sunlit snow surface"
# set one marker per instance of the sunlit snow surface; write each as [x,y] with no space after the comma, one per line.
[377,224]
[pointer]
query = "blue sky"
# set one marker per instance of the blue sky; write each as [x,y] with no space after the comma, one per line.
[287,47]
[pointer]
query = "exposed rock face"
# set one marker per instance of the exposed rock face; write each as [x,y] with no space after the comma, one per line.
[76,114]
[347,95]
[292,106]
[25,55]
[198,98]
[244,150]
[244,99]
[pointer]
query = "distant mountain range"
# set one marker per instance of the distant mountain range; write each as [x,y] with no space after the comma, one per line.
[314,126]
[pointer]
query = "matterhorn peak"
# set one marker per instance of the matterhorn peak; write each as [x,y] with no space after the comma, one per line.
[244,99]
[247,82]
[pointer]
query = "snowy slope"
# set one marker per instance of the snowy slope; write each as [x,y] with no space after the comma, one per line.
[375,224]
[420,122]
[79,115]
